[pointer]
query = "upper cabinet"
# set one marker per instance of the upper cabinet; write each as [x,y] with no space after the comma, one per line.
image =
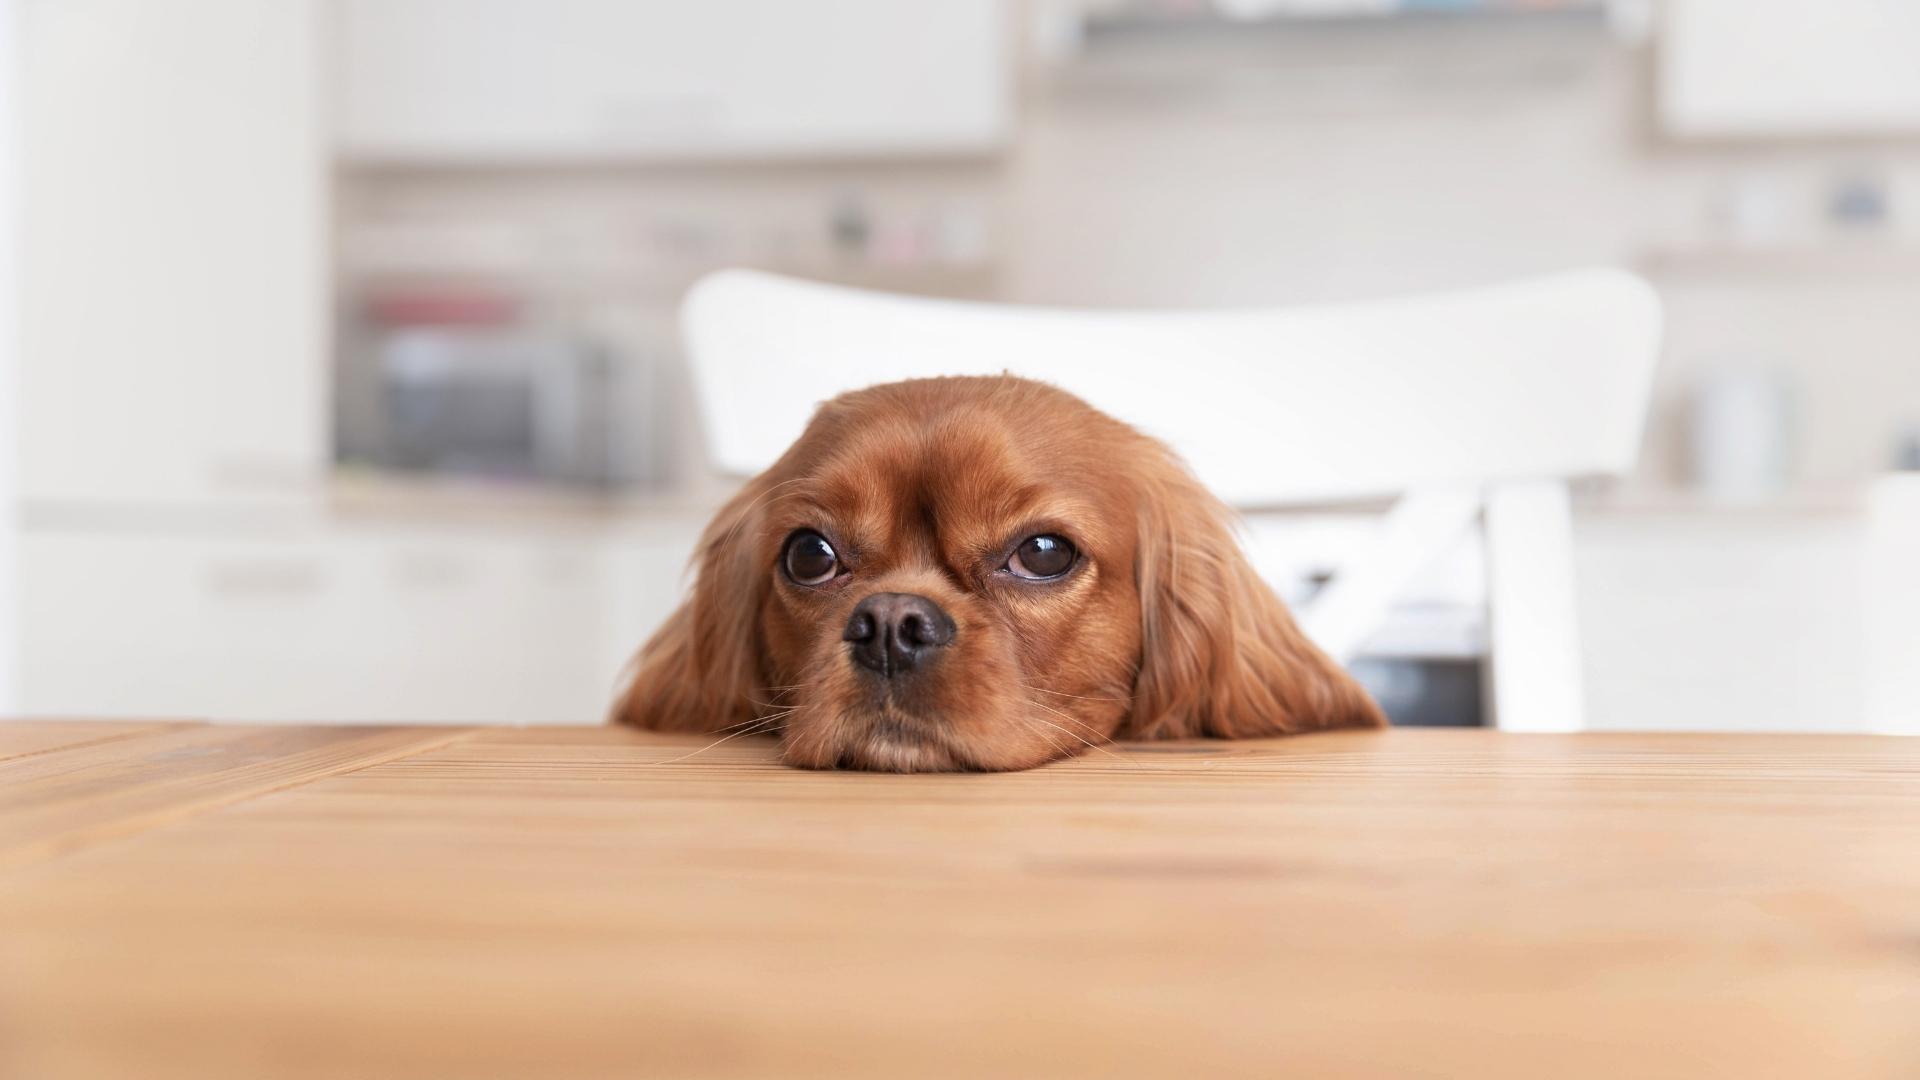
[1790,68]
[515,80]
[173,302]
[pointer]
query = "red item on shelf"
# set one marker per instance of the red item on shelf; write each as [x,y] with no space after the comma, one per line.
[443,309]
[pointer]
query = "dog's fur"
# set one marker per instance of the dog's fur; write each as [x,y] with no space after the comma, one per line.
[1160,630]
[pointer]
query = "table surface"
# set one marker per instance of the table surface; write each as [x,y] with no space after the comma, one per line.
[180,900]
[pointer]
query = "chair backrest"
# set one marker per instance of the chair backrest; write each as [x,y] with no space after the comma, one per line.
[1542,378]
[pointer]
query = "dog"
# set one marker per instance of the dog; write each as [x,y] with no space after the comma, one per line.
[978,573]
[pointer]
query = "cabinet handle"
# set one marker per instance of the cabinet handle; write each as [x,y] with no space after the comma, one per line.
[263,578]
[432,571]
[264,474]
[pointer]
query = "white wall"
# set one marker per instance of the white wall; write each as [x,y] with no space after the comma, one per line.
[9,593]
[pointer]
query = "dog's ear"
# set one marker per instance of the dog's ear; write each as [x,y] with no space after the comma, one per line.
[1220,654]
[698,671]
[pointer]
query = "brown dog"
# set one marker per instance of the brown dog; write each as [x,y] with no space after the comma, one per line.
[979,573]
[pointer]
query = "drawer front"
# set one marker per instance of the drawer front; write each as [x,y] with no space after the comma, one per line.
[1705,625]
[357,627]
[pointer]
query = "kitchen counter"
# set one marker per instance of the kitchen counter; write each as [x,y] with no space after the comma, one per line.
[180,900]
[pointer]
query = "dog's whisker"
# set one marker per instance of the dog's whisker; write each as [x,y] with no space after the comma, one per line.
[1090,743]
[749,730]
[1077,697]
[776,703]
[1060,749]
[1064,750]
[767,719]
[773,717]
[702,750]
[779,693]
[1095,742]
[1068,717]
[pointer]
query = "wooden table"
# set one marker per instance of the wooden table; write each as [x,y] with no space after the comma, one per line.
[187,901]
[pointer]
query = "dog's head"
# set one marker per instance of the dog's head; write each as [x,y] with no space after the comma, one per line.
[979,573]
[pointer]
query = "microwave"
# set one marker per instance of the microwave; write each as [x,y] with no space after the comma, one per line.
[500,402]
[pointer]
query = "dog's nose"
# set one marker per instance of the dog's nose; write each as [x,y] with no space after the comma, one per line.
[894,633]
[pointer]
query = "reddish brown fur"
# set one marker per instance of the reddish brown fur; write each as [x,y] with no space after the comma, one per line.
[1164,631]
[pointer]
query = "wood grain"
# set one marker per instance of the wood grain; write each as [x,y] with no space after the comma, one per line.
[595,903]
[101,787]
[21,738]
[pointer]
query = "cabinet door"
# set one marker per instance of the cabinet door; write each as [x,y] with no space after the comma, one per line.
[469,627]
[172,626]
[1728,623]
[174,303]
[342,626]
[1893,604]
[1790,68]
[648,571]
[571,78]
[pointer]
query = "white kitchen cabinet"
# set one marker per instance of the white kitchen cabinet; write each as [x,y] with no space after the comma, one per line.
[517,79]
[338,624]
[1789,68]
[173,286]
[648,576]
[1893,604]
[1723,620]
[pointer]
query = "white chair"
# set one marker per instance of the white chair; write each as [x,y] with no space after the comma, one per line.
[1469,407]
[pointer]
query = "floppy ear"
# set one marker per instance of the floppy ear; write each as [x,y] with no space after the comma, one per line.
[698,671]
[1220,654]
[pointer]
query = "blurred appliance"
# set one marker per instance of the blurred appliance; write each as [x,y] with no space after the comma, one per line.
[458,383]
[1741,434]
[1906,457]
[496,403]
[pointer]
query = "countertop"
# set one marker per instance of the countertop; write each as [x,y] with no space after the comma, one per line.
[181,900]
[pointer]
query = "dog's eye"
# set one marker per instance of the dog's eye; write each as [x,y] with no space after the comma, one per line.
[1041,557]
[810,559]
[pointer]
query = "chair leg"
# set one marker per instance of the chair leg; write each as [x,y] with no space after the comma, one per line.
[1418,528]
[1533,628]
